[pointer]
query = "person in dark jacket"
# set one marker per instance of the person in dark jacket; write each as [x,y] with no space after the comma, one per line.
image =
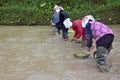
[63,15]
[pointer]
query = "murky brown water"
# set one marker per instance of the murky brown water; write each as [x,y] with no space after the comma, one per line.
[34,53]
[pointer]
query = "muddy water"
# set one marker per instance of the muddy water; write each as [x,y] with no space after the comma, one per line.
[34,53]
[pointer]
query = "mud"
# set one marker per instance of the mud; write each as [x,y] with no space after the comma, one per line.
[35,53]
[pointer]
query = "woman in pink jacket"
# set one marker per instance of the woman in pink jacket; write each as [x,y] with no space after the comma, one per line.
[103,37]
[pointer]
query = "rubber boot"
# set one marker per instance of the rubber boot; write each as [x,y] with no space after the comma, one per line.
[109,49]
[55,30]
[65,36]
[102,64]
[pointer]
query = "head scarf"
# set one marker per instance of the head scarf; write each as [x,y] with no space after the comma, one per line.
[86,19]
[67,23]
[58,8]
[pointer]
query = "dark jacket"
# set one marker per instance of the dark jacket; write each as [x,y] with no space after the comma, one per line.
[62,16]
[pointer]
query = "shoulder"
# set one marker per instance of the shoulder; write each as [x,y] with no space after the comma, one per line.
[77,20]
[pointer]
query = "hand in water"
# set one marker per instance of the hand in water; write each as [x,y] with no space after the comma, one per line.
[73,39]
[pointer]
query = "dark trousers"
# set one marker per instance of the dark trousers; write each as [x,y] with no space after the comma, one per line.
[58,26]
[105,41]
[64,32]
[103,48]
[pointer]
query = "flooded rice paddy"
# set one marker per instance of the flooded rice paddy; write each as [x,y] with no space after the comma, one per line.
[35,53]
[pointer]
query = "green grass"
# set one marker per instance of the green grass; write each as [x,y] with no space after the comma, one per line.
[35,12]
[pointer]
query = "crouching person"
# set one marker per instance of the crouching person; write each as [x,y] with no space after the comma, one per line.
[54,22]
[103,36]
[79,31]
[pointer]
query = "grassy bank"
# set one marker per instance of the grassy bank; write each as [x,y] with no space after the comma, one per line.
[38,12]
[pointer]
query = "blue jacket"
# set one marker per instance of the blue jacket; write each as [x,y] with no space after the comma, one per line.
[55,18]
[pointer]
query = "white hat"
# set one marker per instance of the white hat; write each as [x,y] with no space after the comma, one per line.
[86,19]
[90,17]
[57,8]
[61,8]
[67,23]
[84,22]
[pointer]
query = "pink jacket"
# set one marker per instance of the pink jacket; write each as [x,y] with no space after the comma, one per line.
[99,30]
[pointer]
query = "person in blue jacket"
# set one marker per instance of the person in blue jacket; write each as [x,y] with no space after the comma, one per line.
[63,15]
[54,22]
